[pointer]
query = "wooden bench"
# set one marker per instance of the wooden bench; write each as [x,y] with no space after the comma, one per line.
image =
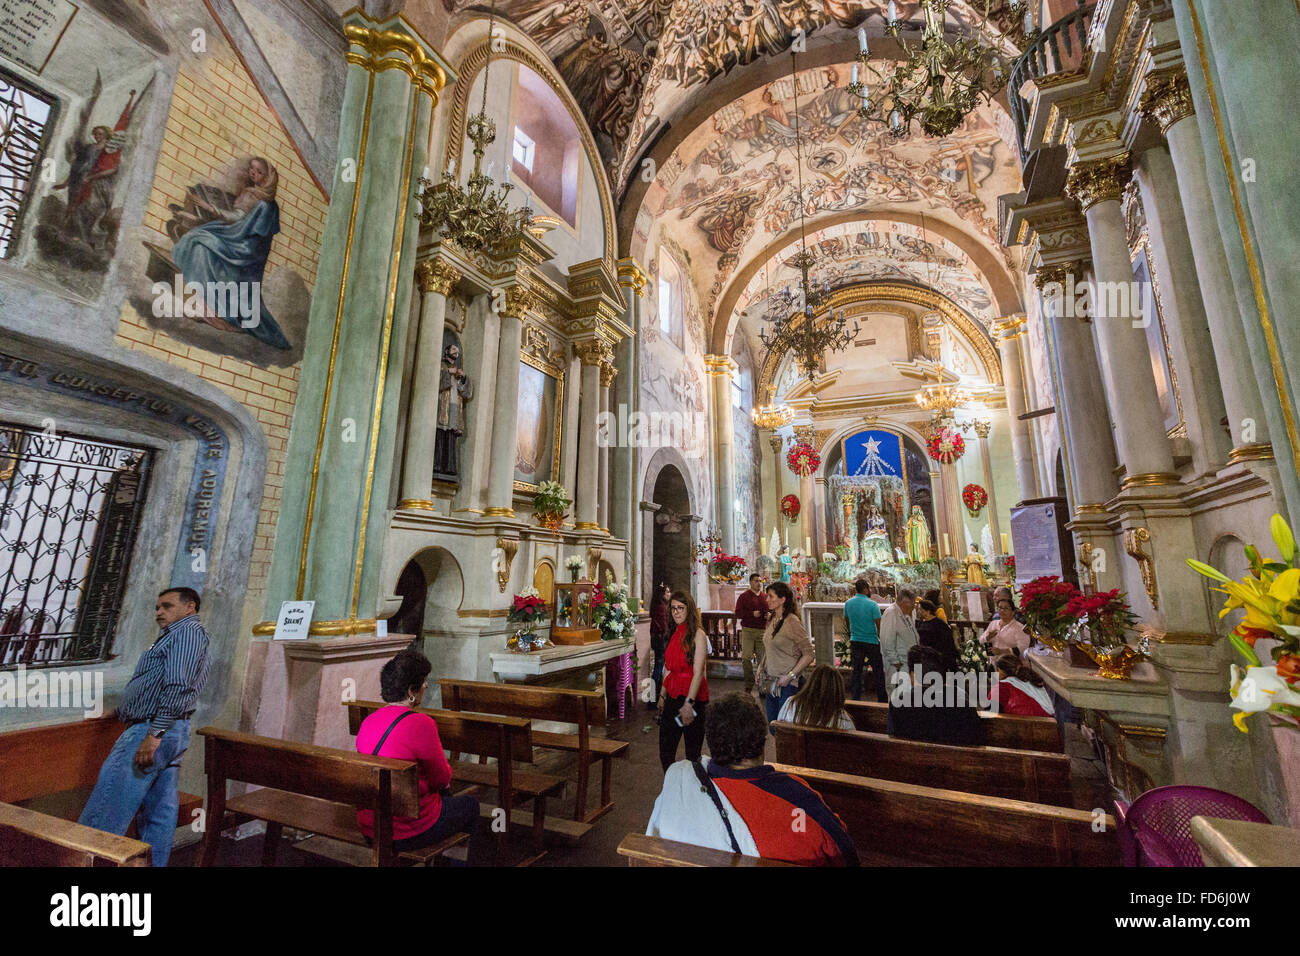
[999,730]
[642,850]
[506,739]
[584,708]
[53,769]
[317,789]
[894,823]
[28,838]
[994,771]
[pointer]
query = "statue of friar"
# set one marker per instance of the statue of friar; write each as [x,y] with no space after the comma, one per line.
[454,390]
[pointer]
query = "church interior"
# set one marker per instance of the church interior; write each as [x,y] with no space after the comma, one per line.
[526,366]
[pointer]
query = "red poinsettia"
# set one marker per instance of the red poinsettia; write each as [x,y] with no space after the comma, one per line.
[1047,602]
[528,609]
[946,446]
[790,507]
[803,459]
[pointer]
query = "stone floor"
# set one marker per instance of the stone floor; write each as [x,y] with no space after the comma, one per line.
[636,785]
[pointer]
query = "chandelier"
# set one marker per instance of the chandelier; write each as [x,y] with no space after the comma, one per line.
[937,83]
[799,327]
[772,416]
[474,215]
[943,399]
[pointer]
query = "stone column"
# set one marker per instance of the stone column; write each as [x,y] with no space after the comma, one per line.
[334,508]
[592,353]
[1168,100]
[821,527]
[776,441]
[626,472]
[720,368]
[1123,350]
[1009,332]
[505,411]
[608,375]
[569,440]
[436,279]
[1186,327]
[982,432]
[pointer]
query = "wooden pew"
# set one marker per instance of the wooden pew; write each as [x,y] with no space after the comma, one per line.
[994,771]
[642,850]
[582,707]
[53,769]
[317,789]
[1000,730]
[28,838]
[895,823]
[506,739]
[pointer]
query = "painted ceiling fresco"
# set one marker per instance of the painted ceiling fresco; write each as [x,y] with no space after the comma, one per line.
[730,188]
[632,63]
[875,251]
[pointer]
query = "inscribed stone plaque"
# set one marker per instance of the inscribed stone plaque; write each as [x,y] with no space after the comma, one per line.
[1036,531]
[31,29]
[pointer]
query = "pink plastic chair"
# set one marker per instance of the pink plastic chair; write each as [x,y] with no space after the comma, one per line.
[1156,830]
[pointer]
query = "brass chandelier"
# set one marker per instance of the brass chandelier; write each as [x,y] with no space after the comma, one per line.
[772,416]
[474,215]
[943,399]
[938,83]
[799,327]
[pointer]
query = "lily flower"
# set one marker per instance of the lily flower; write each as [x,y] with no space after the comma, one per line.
[1259,689]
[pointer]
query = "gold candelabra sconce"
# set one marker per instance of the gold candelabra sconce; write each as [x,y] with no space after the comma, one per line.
[506,548]
[1087,572]
[1134,539]
[593,563]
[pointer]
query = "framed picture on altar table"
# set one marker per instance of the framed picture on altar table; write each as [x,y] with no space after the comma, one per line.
[538,424]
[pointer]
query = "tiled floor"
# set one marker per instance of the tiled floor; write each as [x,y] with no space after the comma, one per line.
[636,785]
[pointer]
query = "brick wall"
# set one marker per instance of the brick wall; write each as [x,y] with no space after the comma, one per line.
[218,116]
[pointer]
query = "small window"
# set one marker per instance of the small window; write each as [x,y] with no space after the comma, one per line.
[26,118]
[524,149]
[737,394]
[672,303]
[666,307]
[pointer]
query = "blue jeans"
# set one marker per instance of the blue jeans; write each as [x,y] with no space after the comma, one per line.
[774,704]
[123,790]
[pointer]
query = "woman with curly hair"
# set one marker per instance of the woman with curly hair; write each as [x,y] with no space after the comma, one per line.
[685,690]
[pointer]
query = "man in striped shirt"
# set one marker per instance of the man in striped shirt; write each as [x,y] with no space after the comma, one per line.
[142,773]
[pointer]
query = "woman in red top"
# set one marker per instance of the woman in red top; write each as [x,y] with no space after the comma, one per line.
[685,689]
[399,732]
[1020,691]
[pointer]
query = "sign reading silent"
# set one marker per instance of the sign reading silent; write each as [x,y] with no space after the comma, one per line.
[294,620]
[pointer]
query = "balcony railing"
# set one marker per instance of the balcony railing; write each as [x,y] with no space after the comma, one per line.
[1058,52]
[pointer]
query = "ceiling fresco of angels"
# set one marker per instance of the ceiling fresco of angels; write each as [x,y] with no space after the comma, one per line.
[730,188]
[633,64]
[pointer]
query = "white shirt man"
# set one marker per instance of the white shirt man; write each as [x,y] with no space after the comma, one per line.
[897,635]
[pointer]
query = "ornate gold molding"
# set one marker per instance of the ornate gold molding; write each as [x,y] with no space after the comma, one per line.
[1060,273]
[805,433]
[607,374]
[1258,451]
[1098,180]
[1010,327]
[509,548]
[497,512]
[323,628]
[437,275]
[631,275]
[415,504]
[537,343]
[518,300]
[720,365]
[381,50]
[1134,538]
[1167,99]
[1152,480]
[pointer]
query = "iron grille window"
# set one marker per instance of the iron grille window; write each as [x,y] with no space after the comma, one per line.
[26,117]
[69,511]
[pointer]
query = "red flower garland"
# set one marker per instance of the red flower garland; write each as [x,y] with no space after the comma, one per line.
[803,459]
[946,446]
[975,498]
[790,507]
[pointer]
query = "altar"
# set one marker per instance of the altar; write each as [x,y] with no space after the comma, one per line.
[580,666]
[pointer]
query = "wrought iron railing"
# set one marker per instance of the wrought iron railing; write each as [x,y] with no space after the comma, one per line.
[723,633]
[1058,49]
[69,511]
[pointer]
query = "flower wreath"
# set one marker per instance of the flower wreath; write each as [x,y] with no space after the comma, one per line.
[803,459]
[946,446]
[790,507]
[975,498]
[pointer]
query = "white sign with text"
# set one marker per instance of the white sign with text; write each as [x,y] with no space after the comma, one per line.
[294,620]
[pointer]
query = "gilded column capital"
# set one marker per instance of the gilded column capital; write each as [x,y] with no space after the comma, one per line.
[1167,99]
[982,428]
[607,374]
[518,300]
[436,275]
[1098,180]
[805,433]
[720,365]
[632,276]
[1009,327]
[594,352]
[1060,274]
[393,44]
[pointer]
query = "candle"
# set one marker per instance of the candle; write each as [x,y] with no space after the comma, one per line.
[946,550]
[451,167]
[855,74]
[807,546]
[762,546]
[893,12]
[862,39]
[1004,543]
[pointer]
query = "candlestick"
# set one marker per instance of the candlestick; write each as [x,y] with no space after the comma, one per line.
[807,547]
[862,39]
[946,550]
[1004,543]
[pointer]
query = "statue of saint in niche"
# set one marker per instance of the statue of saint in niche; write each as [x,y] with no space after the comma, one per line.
[454,390]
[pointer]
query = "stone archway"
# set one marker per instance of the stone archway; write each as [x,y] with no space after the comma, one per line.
[670,548]
[666,460]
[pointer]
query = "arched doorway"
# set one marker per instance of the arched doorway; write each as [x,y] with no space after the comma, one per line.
[671,549]
[409,618]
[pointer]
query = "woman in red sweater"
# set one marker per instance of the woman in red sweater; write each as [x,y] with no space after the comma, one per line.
[401,733]
[685,692]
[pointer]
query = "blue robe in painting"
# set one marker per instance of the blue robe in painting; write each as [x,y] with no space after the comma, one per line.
[220,251]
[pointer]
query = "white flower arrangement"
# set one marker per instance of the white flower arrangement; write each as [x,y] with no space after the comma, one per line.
[574,563]
[529,592]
